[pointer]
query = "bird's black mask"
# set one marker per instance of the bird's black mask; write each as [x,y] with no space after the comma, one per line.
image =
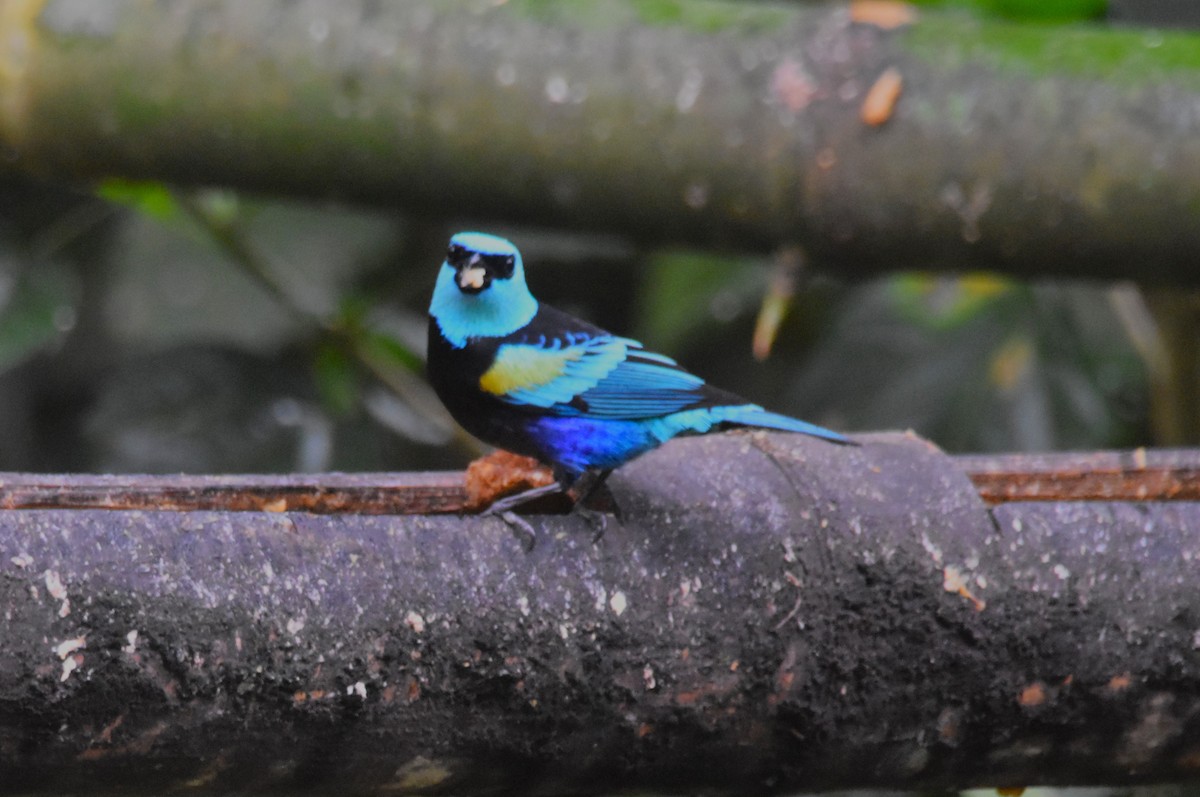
[474,271]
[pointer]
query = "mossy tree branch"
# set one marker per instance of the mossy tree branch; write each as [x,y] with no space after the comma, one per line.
[1032,150]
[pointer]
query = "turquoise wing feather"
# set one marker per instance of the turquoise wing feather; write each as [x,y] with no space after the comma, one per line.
[551,371]
[591,376]
[644,385]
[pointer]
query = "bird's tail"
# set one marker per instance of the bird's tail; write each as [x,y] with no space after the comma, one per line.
[752,415]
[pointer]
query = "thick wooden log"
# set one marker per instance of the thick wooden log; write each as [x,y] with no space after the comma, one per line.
[772,613]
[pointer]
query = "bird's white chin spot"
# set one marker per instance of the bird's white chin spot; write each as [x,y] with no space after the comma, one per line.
[471,277]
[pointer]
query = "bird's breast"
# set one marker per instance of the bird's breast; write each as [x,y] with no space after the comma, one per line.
[455,374]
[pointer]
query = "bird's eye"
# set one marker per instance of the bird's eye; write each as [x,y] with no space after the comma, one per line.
[502,266]
[456,255]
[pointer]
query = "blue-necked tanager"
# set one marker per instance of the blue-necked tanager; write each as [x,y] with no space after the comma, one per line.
[536,381]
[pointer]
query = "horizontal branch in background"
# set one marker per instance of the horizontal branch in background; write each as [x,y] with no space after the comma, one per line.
[772,613]
[945,141]
[1138,475]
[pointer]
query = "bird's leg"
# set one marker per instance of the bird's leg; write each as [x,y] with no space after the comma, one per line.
[511,502]
[588,483]
[578,488]
[584,488]
[522,529]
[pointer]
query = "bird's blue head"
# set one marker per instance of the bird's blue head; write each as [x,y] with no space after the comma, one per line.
[481,289]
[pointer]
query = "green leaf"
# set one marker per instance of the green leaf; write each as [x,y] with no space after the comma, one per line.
[383,350]
[685,291]
[337,379]
[938,302]
[1034,368]
[38,309]
[219,206]
[153,199]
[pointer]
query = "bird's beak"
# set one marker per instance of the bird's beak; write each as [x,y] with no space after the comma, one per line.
[471,277]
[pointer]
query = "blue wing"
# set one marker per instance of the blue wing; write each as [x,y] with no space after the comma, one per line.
[564,367]
[594,375]
[643,385]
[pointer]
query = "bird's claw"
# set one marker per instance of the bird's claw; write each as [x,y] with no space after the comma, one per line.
[527,536]
[520,528]
[524,532]
[597,519]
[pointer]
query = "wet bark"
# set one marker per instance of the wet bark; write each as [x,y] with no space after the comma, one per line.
[944,142]
[772,614]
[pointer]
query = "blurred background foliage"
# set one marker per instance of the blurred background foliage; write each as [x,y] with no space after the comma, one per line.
[143,330]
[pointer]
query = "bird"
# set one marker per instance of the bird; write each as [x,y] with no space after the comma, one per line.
[528,378]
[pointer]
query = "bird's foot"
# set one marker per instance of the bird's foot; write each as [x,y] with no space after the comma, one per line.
[521,529]
[582,492]
[598,519]
[586,490]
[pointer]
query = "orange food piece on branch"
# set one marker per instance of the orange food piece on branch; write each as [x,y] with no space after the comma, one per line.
[502,473]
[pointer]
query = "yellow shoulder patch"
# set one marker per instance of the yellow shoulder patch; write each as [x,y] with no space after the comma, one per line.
[525,368]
